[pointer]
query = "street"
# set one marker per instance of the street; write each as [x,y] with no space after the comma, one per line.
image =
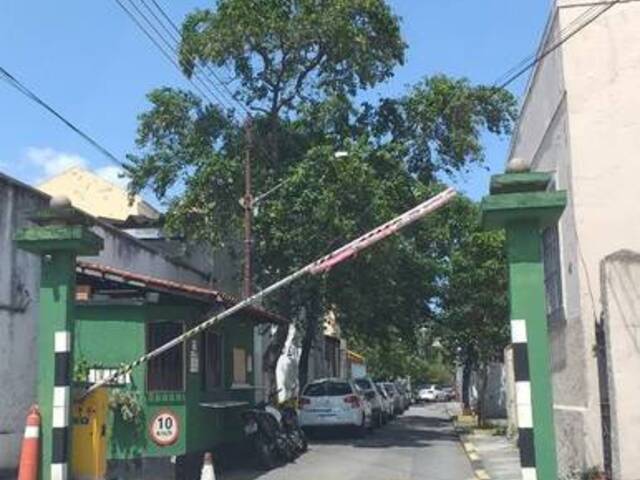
[419,445]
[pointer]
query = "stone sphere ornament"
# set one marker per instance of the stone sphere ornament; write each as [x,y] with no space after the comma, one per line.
[59,201]
[517,165]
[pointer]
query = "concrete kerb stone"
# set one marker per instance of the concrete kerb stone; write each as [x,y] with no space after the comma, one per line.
[472,452]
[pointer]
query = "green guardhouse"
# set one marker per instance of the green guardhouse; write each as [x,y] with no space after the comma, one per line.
[166,413]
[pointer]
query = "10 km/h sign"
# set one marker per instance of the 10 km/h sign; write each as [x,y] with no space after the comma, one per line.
[164,428]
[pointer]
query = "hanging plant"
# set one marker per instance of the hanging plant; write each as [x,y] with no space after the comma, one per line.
[126,405]
[81,369]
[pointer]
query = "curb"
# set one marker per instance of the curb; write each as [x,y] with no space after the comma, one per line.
[472,452]
[474,458]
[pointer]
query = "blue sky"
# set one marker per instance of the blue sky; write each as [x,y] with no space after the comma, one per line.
[88,60]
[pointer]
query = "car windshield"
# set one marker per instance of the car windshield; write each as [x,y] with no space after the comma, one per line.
[363,383]
[327,389]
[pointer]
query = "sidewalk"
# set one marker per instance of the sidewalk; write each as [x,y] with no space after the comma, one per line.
[497,456]
[493,457]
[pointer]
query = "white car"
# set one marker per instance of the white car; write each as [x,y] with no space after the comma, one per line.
[333,402]
[430,394]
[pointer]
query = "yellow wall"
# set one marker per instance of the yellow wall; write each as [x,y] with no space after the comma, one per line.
[95,195]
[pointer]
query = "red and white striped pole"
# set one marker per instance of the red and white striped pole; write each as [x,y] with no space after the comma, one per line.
[28,469]
[319,266]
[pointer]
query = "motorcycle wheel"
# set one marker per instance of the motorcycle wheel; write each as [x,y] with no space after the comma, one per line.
[265,453]
[301,441]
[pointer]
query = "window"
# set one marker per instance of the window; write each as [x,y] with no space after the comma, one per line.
[332,356]
[212,360]
[552,273]
[239,366]
[328,389]
[165,372]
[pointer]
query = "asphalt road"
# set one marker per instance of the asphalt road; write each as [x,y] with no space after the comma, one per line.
[419,445]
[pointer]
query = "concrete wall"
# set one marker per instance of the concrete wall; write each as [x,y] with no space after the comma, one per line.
[580,119]
[620,284]
[19,288]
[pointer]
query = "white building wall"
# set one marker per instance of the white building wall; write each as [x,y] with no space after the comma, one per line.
[580,119]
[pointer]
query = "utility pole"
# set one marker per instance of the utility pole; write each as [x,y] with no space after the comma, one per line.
[248,212]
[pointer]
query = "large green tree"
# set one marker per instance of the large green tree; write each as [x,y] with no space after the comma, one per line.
[472,323]
[297,66]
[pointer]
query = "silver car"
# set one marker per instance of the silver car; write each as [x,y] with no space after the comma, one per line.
[371,394]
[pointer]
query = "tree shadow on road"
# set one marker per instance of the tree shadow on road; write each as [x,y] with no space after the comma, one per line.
[409,431]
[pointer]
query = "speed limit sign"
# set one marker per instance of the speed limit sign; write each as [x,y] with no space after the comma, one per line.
[164,428]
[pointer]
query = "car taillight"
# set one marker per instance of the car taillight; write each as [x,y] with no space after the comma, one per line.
[352,400]
[302,402]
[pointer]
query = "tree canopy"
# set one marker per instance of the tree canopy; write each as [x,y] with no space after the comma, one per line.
[298,65]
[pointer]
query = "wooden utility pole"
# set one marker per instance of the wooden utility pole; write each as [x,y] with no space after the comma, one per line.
[248,212]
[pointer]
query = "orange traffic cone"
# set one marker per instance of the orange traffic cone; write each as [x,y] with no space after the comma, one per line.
[207,468]
[28,469]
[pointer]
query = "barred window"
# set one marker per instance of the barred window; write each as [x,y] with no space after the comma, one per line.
[165,372]
[552,273]
[212,360]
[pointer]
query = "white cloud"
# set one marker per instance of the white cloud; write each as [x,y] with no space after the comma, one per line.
[113,174]
[49,162]
[52,162]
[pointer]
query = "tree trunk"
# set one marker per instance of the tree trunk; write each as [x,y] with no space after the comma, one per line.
[271,356]
[307,345]
[466,381]
[482,418]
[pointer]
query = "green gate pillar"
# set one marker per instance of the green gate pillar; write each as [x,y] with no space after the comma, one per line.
[521,204]
[59,235]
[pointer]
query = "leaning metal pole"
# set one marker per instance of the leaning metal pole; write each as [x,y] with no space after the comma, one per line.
[319,266]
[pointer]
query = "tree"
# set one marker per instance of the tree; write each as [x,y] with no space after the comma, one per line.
[288,53]
[473,324]
[297,67]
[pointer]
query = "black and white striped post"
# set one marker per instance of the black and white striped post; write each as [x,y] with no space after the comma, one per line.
[524,409]
[61,407]
[60,234]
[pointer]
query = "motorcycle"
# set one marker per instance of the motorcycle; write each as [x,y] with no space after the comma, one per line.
[291,425]
[271,442]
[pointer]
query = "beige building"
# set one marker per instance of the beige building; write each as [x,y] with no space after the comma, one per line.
[97,196]
[581,119]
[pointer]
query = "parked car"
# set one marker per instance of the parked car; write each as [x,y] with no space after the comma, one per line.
[395,395]
[448,393]
[430,393]
[387,401]
[405,398]
[371,395]
[331,402]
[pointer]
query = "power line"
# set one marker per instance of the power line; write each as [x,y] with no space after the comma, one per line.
[15,83]
[208,96]
[554,47]
[531,56]
[174,43]
[175,28]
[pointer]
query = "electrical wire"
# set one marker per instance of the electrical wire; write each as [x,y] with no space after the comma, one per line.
[211,71]
[545,53]
[206,93]
[22,88]
[531,56]
[174,43]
